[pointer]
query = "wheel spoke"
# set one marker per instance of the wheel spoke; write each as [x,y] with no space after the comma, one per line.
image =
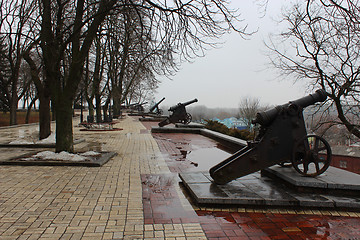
[317,166]
[316,148]
[306,166]
[307,145]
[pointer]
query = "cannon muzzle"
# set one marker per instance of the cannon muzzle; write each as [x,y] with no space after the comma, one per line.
[173,108]
[266,117]
[156,105]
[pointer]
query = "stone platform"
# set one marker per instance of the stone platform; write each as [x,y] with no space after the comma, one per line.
[278,187]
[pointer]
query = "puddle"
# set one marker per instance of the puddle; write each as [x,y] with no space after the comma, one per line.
[191,152]
[204,158]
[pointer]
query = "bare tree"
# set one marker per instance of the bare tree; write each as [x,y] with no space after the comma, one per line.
[16,31]
[321,46]
[188,27]
[4,75]
[67,28]
[248,107]
[33,57]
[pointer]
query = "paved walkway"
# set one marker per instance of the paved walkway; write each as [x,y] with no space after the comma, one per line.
[81,202]
[109,202]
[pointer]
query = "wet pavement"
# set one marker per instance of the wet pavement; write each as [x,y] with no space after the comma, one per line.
[277,222]
[138,195]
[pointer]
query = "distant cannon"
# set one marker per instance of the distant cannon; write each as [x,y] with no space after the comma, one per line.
[282,137]
[136,107]
[155,109]
[179,114]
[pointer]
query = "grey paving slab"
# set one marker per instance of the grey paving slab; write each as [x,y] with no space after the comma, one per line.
[195,178]
[289,175]
[255,189]
[313,200]
[333,178]
[345,202]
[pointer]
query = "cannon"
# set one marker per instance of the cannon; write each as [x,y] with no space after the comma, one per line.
[155,109]
[282,138]
[136,107]
[179,114]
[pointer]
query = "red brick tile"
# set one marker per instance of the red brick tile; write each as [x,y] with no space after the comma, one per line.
[211,234]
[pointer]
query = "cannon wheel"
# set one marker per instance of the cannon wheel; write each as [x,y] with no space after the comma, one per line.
[311,156]
[188,118]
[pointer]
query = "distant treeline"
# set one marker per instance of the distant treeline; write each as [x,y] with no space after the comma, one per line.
[203,112]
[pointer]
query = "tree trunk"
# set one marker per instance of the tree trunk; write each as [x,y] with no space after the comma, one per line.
[28,112]
[116,94]
[43,91]
[13,110]
[44,117]
[106,109]
[105,112]
[64,128]
[117,107]
[91,110]
[98,107]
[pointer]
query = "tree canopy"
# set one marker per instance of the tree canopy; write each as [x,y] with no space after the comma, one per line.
[321,46]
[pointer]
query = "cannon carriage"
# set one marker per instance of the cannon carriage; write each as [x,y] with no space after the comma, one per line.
[282,138]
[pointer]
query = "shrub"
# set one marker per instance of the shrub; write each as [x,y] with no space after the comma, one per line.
[219,127]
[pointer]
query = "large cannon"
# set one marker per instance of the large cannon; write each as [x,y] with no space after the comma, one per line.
[155,109]
[282,138]
[179,114]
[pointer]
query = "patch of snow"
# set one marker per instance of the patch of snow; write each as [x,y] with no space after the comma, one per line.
[28,159]
[50,139]
[43,154]
[21,141]
[90,153]
[62,156]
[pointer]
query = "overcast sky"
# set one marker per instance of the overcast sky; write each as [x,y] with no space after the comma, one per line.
[236,70]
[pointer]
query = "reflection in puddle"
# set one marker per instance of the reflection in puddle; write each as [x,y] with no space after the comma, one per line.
[183,155]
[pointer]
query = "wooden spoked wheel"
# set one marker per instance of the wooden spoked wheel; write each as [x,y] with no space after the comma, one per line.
[311,156]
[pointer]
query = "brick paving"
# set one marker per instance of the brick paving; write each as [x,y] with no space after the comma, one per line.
[135,196]
[161,204]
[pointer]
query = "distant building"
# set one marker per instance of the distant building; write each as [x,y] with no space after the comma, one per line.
[232,122]
[346,157]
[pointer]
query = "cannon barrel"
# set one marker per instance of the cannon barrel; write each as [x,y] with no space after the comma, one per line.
[266,117]
[157,104]
[131,104]
[173,108]
[136,104]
